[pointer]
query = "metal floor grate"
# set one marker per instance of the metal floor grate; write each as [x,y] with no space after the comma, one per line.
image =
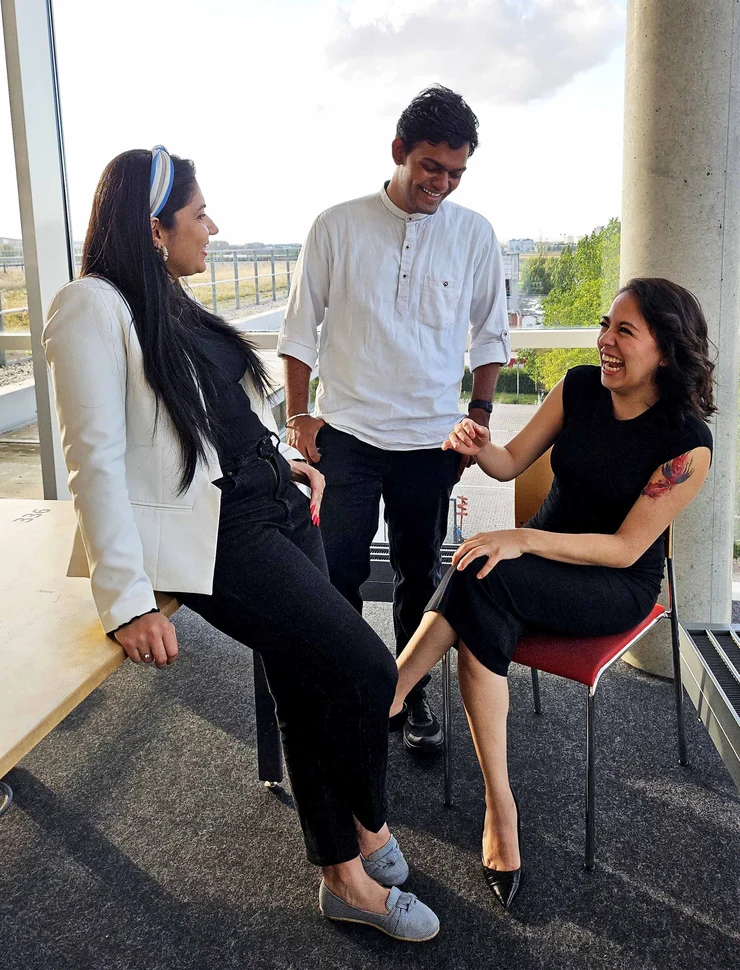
[379,552]
[720,650]
[711,666]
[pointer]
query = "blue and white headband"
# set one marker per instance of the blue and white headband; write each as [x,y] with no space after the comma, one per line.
[160,181]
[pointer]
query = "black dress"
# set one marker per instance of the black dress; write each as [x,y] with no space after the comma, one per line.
[600,466]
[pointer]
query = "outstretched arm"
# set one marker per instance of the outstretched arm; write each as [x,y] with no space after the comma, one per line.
[670,489]
[505,463]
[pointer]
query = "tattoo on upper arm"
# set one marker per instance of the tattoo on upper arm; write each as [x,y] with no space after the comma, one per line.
[673,473]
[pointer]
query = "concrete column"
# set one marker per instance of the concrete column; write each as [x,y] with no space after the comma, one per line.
[681,220]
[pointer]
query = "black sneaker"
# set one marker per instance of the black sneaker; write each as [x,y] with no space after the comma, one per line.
[422,731]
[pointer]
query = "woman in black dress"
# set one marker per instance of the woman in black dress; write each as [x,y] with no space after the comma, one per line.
[630,450]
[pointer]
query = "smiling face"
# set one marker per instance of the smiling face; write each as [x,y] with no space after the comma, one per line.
[186,241]
[426,175]
[630,355]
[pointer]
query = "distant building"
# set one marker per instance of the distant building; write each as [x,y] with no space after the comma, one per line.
[522,246]
[511,275]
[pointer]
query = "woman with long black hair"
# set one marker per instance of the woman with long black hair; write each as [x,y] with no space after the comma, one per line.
[179,487]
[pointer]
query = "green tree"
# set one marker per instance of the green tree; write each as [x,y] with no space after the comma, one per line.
[538,271]
[583,286]
[585,280]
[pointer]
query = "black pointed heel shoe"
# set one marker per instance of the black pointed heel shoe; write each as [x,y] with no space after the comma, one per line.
[397,722]
[504,884]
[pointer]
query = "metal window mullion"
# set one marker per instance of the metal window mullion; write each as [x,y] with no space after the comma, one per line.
[40,171]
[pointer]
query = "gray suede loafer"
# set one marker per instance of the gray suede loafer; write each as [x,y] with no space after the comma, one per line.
[387,865]
[407,917]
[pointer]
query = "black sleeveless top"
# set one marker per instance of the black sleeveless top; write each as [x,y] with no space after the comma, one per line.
[601,464]
[239,427]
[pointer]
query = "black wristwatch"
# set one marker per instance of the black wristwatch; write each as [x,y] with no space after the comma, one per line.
[483,405]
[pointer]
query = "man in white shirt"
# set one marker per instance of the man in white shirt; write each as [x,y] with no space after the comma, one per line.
[398,280]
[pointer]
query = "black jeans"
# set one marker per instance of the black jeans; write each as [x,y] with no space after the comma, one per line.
[332,678]
[416,488]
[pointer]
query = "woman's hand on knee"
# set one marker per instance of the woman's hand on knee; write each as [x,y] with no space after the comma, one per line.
[149,639]
[494,546]
[467,438]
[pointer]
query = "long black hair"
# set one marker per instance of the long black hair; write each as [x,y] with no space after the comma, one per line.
[677,322]
[119,248]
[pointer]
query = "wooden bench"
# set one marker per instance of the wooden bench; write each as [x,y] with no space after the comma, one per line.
[53,651]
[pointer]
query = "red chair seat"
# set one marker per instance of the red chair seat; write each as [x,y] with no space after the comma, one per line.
[579,658]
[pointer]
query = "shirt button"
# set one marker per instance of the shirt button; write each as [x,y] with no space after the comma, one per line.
[408,247]
[445,283]
[404,276]
[503,332]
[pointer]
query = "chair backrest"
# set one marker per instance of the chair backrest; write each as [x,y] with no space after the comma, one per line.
[531,488]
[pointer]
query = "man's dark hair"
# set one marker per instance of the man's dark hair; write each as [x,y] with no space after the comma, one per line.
[435,115]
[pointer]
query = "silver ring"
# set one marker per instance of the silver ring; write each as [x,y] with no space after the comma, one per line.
[147,656]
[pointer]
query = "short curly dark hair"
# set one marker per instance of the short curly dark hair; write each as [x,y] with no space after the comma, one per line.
[435,115]
[677,322]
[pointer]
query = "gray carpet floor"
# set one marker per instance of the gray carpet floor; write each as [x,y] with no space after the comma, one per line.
[140,837]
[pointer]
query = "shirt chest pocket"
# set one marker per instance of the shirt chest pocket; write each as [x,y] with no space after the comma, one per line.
[439,302]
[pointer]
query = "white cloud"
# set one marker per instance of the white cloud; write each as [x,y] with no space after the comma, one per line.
[503,51]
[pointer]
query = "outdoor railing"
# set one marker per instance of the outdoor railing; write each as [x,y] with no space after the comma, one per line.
[234,279]
[239,278]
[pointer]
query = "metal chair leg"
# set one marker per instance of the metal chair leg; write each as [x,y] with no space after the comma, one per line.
[447,728]
[677,681]
[6,797]
[590,777]
[536,690]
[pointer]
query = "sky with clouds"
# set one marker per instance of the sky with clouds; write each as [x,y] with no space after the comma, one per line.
[289,106]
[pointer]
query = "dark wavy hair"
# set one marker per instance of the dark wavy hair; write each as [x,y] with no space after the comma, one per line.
[119,248]
[435,115]
[677,322]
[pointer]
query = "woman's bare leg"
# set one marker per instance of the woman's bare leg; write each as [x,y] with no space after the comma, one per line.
[428,645]
[486,699]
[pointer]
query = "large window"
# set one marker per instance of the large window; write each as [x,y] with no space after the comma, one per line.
[20,464]
[289,107]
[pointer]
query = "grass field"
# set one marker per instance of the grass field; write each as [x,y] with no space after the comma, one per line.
[505,397]
[226,287]
[13,294]
[509,397]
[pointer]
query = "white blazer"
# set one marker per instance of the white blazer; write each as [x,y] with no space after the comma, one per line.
[135,533]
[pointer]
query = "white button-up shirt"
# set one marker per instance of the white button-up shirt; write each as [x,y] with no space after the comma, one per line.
[396,294]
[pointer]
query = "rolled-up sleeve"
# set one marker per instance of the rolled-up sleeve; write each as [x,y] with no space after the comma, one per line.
[309,296]
[489,317]
[85,348]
